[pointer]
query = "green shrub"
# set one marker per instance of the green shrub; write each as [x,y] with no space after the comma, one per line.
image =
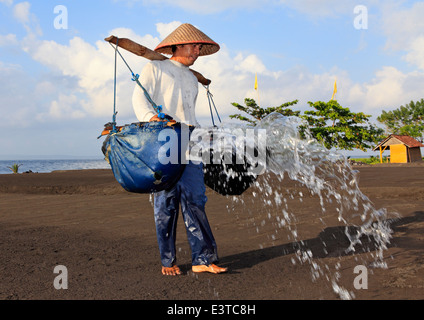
[15,167]
[371,160]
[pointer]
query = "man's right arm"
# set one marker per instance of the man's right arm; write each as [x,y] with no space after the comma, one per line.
[143,109]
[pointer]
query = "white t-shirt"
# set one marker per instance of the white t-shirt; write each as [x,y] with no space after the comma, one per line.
[170,84]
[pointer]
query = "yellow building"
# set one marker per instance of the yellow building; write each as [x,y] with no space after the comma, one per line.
[403,149]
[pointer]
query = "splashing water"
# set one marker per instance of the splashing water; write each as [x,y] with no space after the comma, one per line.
[325,175]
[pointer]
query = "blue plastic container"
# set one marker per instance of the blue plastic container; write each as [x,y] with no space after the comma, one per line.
[138,154]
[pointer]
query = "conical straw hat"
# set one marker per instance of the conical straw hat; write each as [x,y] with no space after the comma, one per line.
[187,34]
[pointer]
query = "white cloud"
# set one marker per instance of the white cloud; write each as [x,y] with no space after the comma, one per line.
[83,70]
[21,12]
[321,8]
[7,2]
[165,29]
[15,105]
[93,68]
[45,88]
[205,7]
[389,89]
[79,59]
[415,55]
[403,28]
[233,80]
[23,15]
[8,40]
[251,63]
[313,8]
[402,25]
[386,88]
[90,67]
[146,40]
[65,108]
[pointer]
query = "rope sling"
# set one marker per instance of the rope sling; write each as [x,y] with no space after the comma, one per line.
[132,151]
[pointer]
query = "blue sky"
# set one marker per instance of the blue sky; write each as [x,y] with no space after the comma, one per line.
[56,85]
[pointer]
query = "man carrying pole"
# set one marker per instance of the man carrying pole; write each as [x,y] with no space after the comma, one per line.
[171,83]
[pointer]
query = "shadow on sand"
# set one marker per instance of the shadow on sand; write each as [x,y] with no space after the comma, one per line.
[331,242]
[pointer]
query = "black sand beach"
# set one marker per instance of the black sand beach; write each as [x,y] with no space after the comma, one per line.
[106,238]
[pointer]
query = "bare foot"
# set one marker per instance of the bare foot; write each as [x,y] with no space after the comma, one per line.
[212,268]
[172,271]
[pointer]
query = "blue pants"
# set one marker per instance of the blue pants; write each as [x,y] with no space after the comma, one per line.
[190,193]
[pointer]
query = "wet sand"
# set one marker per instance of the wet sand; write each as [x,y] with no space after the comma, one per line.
[106,238]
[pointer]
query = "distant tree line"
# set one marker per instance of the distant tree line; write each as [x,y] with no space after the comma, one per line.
[338,127]
[405,120]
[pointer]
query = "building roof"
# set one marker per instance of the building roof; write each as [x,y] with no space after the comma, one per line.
[399,139]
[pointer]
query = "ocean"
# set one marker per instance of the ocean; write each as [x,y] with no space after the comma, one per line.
[43,166]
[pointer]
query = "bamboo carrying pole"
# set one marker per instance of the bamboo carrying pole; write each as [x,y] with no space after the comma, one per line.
[142,51]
